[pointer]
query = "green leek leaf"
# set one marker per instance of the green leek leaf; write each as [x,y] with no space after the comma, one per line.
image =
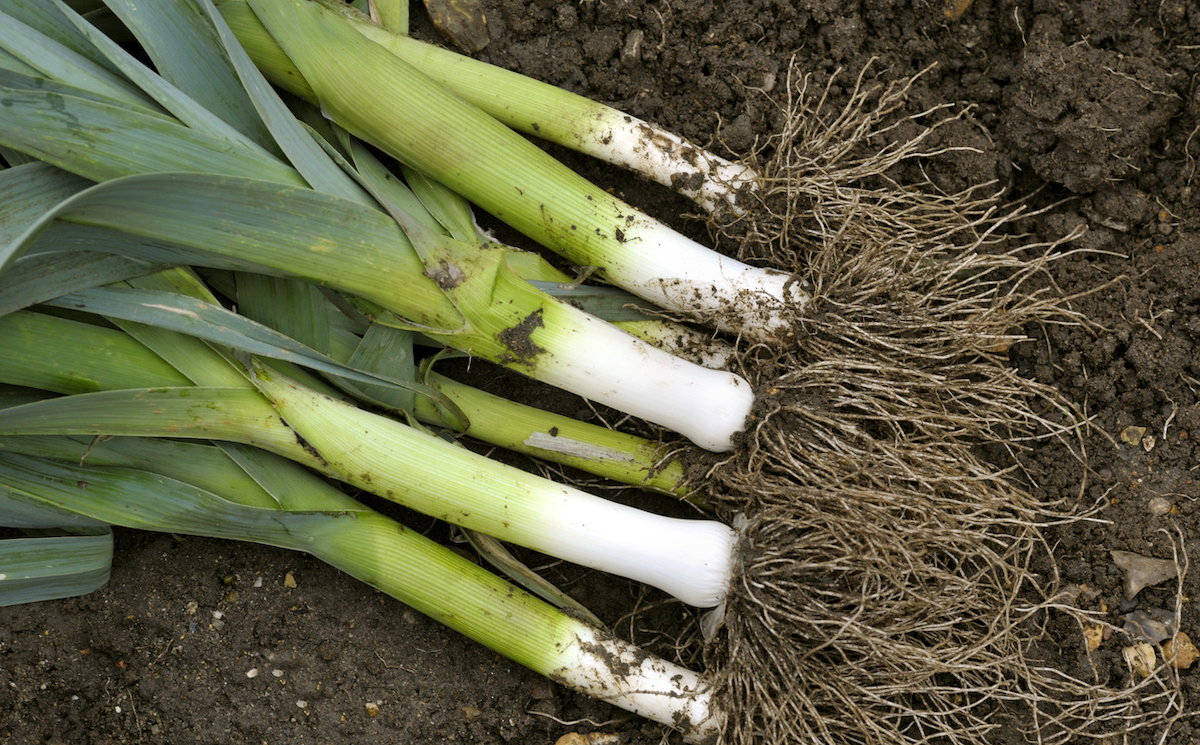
[28,191]
[299,146]
[231,414]
[295,309]
[233,223]
[101,141]
[61,64]
[45,276]
[53,567]
[188,53]
[197,463]
[48,18]
[183,106]
[41,351]
[215,324]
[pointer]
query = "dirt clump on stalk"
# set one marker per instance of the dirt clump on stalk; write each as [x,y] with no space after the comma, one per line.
[895,580]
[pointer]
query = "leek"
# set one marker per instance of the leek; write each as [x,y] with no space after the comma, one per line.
[385,101]
[190,488]
[386,555]
[531,107]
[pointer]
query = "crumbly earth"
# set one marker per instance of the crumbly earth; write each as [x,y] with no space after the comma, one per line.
[1087,108]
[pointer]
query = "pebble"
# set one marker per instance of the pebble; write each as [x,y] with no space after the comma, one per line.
[1133,435]
[1140,658]
[1159,506]
[1143,571]
[1180,652]
[372,709]
[1152,624]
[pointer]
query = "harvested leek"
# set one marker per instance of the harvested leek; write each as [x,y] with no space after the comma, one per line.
[375,549]
[532,107]
[377,96]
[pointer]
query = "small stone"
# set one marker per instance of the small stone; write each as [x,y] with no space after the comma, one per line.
[1159,506]
[471,712]
[1093,634]
[277,673]
[372,709]
[1180,652]
[1143,571]
[252,672]
[1148,443]
[1132,435]
[633,46]
[1154,625]
[289,580]
[258,581]
[1140,658]
[301,704]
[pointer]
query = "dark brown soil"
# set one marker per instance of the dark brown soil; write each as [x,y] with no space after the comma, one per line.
[1086,105]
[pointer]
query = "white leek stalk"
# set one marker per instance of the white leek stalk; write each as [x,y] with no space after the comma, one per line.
[594,359]
[690,559]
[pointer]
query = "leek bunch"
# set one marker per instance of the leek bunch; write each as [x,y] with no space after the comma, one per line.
[152,145]
[869,517]
[156,179]
[81,485]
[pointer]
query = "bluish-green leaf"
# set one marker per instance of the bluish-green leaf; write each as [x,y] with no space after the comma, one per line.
[196,463]
[28,191]
[232,223]
[138,499]
[301,149]
[47,18]
[389,351]
[45,276]
[59,63]
[187,52]
[294,308]
[52,567]
[178,102]
[213,323]
[101,141]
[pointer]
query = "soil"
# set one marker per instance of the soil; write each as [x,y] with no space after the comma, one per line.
[1087,108]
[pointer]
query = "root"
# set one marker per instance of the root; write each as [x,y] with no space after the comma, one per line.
[895,582]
